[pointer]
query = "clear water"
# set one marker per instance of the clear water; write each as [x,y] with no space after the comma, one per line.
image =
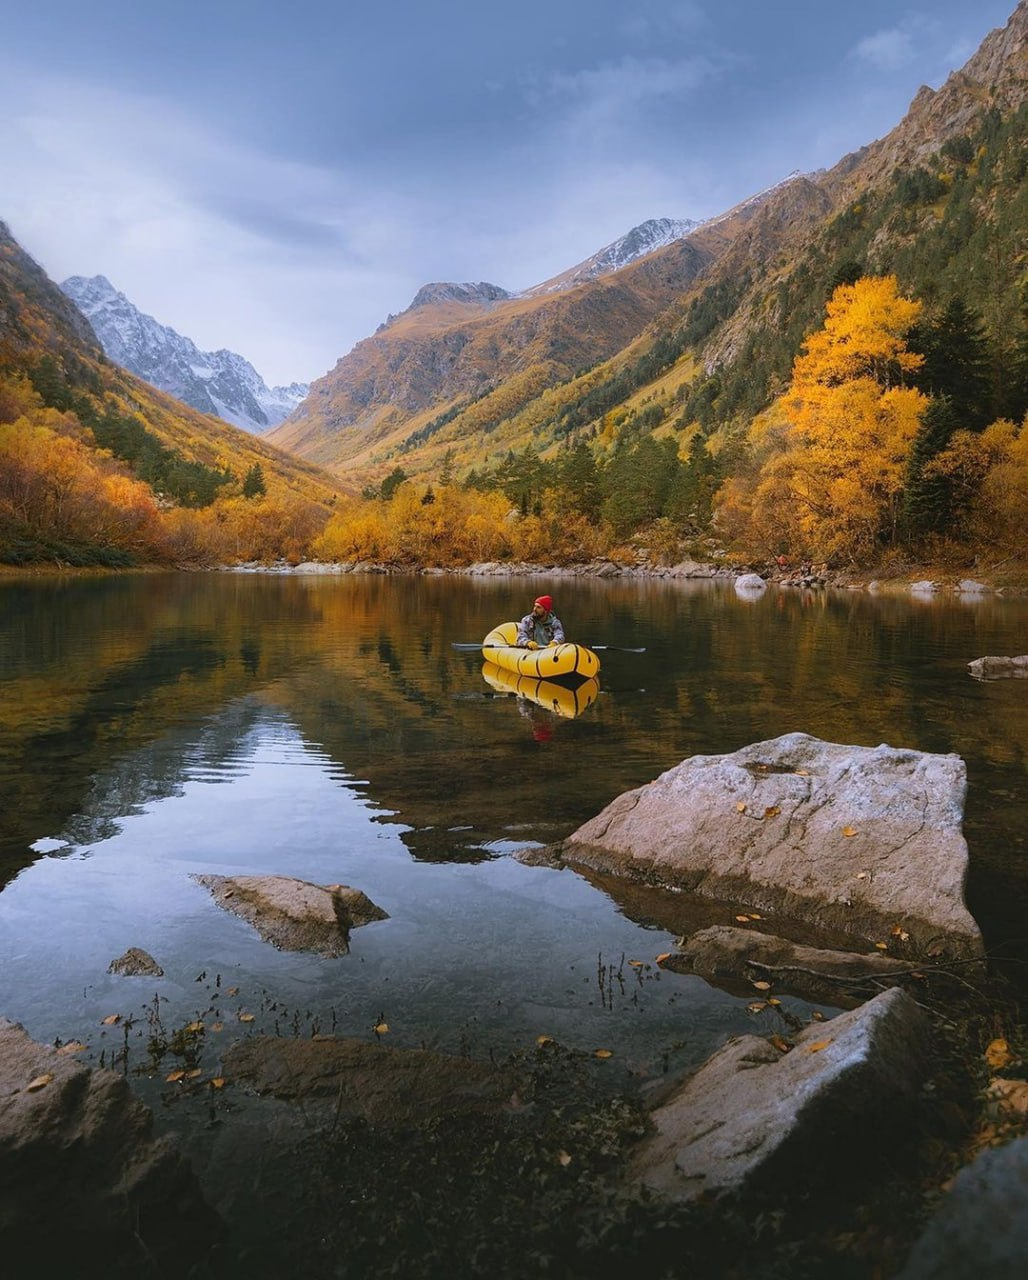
[155,727]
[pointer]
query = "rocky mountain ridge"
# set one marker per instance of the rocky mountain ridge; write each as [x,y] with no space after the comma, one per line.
[222,383]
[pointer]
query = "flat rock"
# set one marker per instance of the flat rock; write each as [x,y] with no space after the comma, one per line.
[369,1081]
[859,840]
[998,668]
[295,915]
[753,1118]
[80,1169]
[836,976]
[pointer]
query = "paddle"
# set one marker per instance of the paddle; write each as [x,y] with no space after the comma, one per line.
[470,648]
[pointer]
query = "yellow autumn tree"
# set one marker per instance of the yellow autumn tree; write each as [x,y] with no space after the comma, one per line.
[852,420]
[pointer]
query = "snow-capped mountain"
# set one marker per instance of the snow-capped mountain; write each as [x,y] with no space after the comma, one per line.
[637,243]
[218,382]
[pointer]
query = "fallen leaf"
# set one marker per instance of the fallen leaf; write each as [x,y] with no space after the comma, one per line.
[780,1043]
[636,964]
[603,1053]
[882,946]
[664,955]
[998,1054]
[246,1017]
[563,1158]
[741,807]
[763,986]
[817,1046]
[191,1075]
[817,1015]
[802,773]
[73,1046]
[758,1006]
[40,1082]
[899,932]
[233,991]
[754,915]
[195,1027]
[861,875]
[217,1026]
[743,919]
[773,1000]
[111,1019]
[218,1082]
[772,811]
[1012,1095]
[541,1040]
[849,831]
[382,1028]
[174,1077]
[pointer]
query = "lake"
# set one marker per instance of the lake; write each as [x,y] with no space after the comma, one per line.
[155,727]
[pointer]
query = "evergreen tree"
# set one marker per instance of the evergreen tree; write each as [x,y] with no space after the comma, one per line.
[928,500]
[253,483]
[956,364]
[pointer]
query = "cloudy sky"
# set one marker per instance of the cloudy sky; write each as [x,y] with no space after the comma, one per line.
[277,178]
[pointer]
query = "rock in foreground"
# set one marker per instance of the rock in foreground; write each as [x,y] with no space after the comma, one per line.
[295,915]
[859,840]
[996,668]
[79,1168]
[753,1117]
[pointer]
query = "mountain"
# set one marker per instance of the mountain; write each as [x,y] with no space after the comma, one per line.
[641,240]
[699,333]
[217,382]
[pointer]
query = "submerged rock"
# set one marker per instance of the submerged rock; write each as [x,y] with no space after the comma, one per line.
[80,1169]
[836,976]
[136,963]
[754,1117]
[859,840]
[361,1080]
[295,915]
[997,668]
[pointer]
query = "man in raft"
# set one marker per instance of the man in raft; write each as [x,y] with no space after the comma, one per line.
[540,627]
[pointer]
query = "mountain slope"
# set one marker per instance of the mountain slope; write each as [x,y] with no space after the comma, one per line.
[217,382]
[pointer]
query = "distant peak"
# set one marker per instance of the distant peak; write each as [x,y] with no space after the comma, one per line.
[446,291]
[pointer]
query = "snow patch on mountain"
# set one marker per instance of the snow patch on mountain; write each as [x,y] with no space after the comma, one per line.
[647,237]
[218,382]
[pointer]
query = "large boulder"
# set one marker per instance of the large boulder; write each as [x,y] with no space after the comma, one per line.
[838,977]
[295,915]
[866,841]
[79,1165]
[753,1118]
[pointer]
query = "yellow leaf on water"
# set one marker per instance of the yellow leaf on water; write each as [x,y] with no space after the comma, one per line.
[191,1075]
[817,1046]
[773,1000]
[664,955]
[758,1006]
[73,1046]
[382,1028]
[818,1016]
[849,831]
[218,1082]
[246,1017]
[174,1077]
[194,1027]
[603,1053]
[998,1054]
[40,1082]
[636,964]
[763,986]
[111,1019]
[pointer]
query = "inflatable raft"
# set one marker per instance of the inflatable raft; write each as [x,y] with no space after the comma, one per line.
[564,662]
[558,698]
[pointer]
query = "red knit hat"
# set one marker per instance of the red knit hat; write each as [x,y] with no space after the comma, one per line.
[546,602]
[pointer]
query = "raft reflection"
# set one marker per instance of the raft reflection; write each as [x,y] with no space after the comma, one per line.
[561,699]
